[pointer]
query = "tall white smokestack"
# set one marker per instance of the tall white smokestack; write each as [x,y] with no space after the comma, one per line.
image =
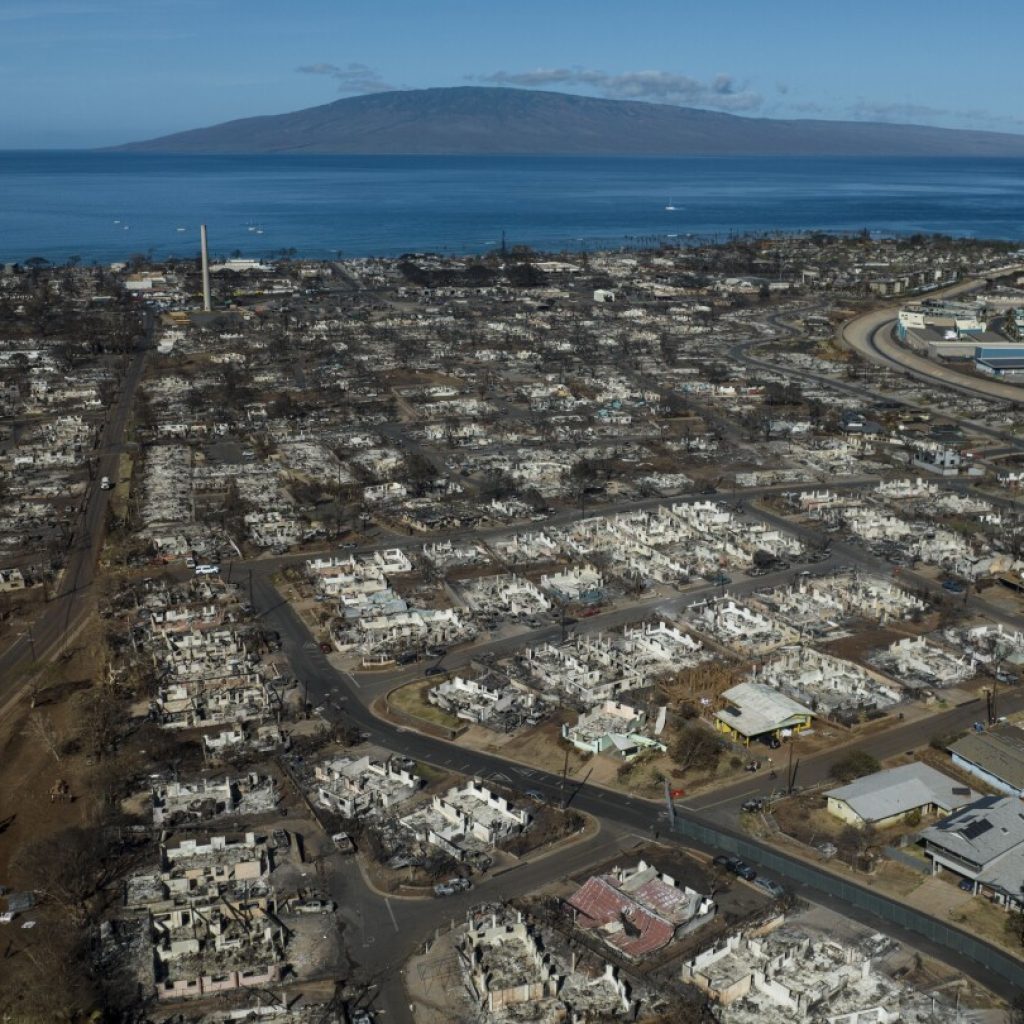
[206,268]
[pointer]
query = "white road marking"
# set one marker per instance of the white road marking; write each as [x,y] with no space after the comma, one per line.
[387,903]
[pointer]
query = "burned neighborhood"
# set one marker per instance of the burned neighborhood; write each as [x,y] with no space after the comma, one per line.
[557,637]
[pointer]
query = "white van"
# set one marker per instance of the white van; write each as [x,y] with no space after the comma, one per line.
[207,570]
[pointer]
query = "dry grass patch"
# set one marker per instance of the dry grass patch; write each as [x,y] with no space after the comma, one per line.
[412,700]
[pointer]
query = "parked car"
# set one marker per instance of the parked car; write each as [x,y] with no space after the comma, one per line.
[967,885]
[953,586]
[313,905]
[744,871]
[771,887]
[207,569]
[452,886]
[434,670]
[407,658]
[326,647]
[753,804]
[343,841]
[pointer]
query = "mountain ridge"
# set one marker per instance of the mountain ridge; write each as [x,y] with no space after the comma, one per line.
[498,121]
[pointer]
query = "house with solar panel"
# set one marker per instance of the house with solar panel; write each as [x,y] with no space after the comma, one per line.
[983,843]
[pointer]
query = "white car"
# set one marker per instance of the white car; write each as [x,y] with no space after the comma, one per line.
[207,570]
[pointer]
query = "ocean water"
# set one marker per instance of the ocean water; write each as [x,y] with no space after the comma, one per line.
[108,206]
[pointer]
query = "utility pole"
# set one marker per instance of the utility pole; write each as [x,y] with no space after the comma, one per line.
[792,768]
[668,805]
[32,642]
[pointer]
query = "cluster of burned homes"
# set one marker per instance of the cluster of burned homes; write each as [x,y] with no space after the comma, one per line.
[214,669]
[434,453]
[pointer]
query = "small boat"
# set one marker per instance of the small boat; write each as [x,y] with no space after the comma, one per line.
[181,229]
[669,205]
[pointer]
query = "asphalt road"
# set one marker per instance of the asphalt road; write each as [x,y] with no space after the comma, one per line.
[383,932]
[870,396]
[342,701]
[870,337]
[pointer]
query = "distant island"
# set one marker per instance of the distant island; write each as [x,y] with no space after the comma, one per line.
[478,121]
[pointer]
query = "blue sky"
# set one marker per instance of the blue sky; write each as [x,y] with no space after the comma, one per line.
[95,72]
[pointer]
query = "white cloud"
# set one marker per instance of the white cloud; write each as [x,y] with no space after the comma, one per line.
[919,113]
[352,78]
[722,92]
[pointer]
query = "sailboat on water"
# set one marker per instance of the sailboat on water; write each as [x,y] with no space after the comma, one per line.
[670,205]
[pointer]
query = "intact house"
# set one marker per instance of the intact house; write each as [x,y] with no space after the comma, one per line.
[995,756]
[638,910]
[614,728]
[984,843]
[886,798]
[753,711]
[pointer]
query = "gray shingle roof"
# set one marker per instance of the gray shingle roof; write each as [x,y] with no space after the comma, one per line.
[999,751]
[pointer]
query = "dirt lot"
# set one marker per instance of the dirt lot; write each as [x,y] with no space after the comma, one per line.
[28,768]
